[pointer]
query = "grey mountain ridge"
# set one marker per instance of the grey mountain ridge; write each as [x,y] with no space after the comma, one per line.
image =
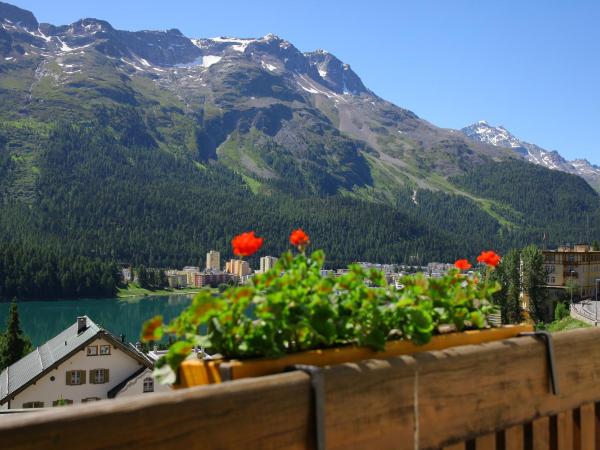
[499,136]
[245,97]
[242,92]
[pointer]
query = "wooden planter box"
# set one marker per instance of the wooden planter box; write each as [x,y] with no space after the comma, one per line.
[196,372]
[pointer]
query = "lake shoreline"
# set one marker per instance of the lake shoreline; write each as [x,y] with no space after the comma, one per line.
[119,296]
[140,292]
[43,319]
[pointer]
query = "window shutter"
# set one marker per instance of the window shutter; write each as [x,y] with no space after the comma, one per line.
[92,377]
[68,378]
[82,375]
[106,375]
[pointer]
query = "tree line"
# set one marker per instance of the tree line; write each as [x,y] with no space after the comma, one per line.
[38,272]
[151,278]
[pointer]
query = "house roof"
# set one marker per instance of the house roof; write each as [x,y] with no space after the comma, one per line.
[31,367]
[114,391]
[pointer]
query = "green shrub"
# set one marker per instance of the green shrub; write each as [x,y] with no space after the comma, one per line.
[561,311]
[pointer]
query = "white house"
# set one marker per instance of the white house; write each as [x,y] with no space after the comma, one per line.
[141,382]
[84,363]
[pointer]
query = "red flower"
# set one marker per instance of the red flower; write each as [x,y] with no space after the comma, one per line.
[152,329]
[299,238]
[462,264]
[246,244]
[491,258]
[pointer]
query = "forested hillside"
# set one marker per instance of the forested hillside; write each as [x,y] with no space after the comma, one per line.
[142,205]
[151,148]
[100,197]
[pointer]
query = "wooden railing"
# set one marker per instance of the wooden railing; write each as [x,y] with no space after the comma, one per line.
[480,397]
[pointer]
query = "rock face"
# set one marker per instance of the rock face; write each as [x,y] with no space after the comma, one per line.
[18,17]
[551,159]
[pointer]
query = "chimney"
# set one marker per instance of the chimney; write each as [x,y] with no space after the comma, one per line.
[81,324]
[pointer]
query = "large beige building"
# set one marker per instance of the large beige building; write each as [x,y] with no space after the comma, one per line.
[213,260]
[267,263]
[577,266]
[177,279]
[190,272]
[238,267]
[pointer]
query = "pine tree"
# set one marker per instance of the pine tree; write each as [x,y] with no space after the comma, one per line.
[509,276]
[143,277]
[534,279]
[15,344]
[514,314]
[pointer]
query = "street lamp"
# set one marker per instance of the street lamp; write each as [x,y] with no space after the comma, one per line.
[572,287]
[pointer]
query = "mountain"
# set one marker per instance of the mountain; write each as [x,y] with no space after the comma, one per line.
[551,159]
[152,148]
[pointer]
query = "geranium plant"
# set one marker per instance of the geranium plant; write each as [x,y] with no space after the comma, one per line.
[295,307]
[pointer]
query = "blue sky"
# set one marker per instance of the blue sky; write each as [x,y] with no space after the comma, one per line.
[532,66]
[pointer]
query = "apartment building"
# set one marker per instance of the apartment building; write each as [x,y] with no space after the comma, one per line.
[177,279]
[213,260]
[238,267]
[267,263]
[191,272]
[577,266]
[212,278]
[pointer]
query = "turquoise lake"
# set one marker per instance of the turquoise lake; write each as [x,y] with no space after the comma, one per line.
[44,319]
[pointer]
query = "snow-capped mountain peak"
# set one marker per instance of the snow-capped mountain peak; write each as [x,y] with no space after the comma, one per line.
[499,136]
[496,136]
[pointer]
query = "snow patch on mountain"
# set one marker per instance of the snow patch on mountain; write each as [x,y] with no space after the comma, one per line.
[209,60]
[239,45]
[269,67]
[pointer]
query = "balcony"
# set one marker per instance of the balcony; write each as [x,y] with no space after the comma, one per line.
[489,396]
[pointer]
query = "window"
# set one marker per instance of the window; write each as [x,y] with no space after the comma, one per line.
[92,350]
[105,349]
[99,376]
[62,402]
[75,377]
[148,384]
[90,399]
[28,405]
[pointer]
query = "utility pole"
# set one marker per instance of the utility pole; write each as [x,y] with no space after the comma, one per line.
[572,286]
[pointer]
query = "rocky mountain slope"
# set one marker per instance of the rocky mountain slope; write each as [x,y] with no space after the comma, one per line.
[90,114]
[235,95]
[551,159]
